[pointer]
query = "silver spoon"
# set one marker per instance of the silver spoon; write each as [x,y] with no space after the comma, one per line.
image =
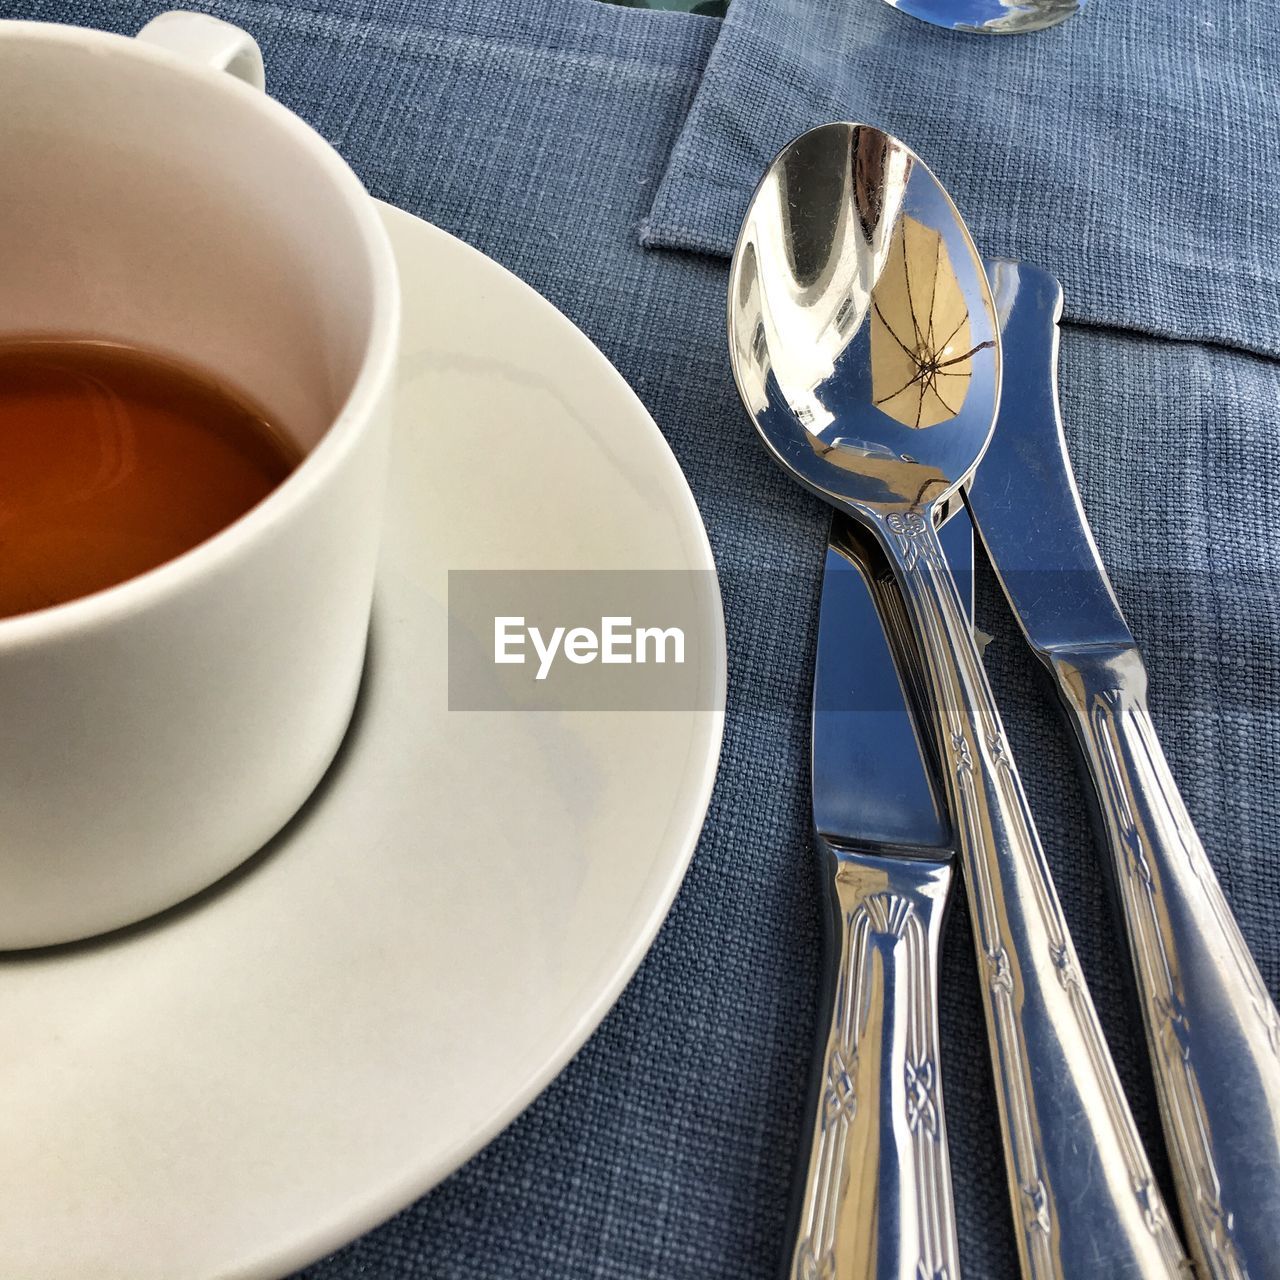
[865,345]
[991,17]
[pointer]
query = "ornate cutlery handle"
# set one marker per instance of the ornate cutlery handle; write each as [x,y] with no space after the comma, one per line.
[876,1201]
[1085,1203]
[1211,1026]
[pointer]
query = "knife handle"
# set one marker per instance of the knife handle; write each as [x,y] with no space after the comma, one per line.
[876,1199]
[1212,1029]
[1084,1199]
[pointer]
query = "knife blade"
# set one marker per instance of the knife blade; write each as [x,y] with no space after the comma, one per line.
[1043,548]
[1212,1030]
[874,1198]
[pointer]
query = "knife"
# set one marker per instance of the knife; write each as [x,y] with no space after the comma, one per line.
[874,1197]
[1212,1030]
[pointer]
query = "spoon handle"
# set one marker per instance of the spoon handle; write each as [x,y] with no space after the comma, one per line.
[1085,1202]
[1212,1030]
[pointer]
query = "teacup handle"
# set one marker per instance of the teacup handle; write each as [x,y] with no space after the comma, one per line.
[209,41]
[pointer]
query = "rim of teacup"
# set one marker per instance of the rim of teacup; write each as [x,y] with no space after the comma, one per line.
[372,379]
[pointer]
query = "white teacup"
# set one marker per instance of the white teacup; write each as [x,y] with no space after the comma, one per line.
[154,735]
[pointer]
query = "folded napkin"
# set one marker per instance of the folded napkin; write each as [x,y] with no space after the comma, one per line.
[555,135]
[1131,151]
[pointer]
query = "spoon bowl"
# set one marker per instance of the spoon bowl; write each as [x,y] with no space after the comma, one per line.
[864,338]
[991,17]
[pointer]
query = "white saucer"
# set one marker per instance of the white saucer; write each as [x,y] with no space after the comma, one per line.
[265,1073]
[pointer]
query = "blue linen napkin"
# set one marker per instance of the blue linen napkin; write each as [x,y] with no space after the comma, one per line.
[541,131]
[1131,151]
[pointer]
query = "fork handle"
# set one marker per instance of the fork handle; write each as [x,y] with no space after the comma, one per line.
[876,1199]
[1212,1029]
[1084,1199]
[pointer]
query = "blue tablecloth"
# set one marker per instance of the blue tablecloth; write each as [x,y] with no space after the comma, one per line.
[604,154]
